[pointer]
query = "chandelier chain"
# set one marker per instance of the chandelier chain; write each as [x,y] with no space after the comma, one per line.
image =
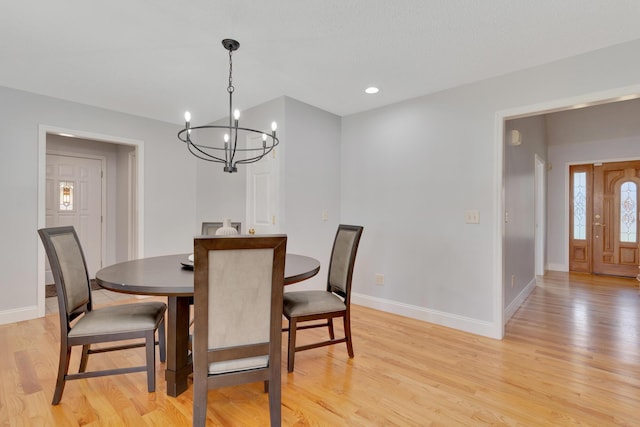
[230,88]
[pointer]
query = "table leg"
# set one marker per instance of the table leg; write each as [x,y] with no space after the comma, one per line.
[179,365]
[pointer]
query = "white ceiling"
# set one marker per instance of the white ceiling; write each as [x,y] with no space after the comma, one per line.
[158,58]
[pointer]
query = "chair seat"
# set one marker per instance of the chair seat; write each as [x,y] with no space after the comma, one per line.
[238,365]
[119,318]
[304,303]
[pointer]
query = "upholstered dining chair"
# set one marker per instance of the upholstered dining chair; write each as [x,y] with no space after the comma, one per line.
[334,302]
[83,325]
[237,335]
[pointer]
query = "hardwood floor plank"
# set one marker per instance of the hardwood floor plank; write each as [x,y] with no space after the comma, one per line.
[571,356]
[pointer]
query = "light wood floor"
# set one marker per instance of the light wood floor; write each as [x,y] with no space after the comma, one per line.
[571,356]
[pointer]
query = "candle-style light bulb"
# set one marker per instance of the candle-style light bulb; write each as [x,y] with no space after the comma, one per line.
[264,137]
[274,126]
[226,137]
[236,115]
[187,116]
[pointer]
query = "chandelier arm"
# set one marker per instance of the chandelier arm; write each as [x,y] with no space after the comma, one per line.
[248,161]
[256,158]
[275,141]
[208,158]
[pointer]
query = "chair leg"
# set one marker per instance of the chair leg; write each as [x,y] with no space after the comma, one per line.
[63,368]
[275,398]
[84,358]
[332,335]
[292,344]
[200,392]
[162,341]
[347,334]
[150,348]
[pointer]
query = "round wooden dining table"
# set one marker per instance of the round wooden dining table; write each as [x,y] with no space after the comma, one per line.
[172,276]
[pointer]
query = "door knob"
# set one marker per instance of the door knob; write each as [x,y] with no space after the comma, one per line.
[252,231]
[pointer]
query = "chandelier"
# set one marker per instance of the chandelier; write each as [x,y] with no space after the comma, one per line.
[226,150]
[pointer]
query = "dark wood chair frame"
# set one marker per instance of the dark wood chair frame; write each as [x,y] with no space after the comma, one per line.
[206,226]
[293,326]
[203,356]
[67,320]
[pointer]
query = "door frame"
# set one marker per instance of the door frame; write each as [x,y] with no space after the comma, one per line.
[138,211]
[567,202]
[103,196]
[540,202]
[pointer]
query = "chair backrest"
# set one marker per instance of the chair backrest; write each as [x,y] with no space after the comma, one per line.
[69,270]
[238,287]
[210,228]
[343,258]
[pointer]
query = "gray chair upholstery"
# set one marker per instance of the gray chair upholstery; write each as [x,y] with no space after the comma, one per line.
[210,228]
[82,325]
[335,301]
[237,334]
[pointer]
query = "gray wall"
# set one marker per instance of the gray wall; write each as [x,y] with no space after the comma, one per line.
[411,170]
[311,184]
[169,197]
[519,203]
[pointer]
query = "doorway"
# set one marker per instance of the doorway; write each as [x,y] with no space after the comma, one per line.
[557,174]
[122,227]
[603,208]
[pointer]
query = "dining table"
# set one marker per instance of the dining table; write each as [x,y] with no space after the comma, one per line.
[172,276]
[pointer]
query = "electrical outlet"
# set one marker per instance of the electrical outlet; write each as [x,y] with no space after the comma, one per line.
[379,279]
[472,217]
[325,215]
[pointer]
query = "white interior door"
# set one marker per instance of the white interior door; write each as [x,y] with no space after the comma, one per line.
[74,197]
[262,191]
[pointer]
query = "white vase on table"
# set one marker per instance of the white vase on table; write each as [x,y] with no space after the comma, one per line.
[226,229]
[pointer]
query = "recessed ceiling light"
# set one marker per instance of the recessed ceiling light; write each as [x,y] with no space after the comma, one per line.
[371,90]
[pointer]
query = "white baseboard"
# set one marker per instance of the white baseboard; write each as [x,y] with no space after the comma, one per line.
[558,267]
[462,323]
[20,314]
[517,302]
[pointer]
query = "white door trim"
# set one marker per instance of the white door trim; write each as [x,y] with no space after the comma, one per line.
[540,199]
[132,200]
[43,130]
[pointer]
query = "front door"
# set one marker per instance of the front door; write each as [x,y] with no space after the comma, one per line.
[74,197]
[604,218]
[615,218]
